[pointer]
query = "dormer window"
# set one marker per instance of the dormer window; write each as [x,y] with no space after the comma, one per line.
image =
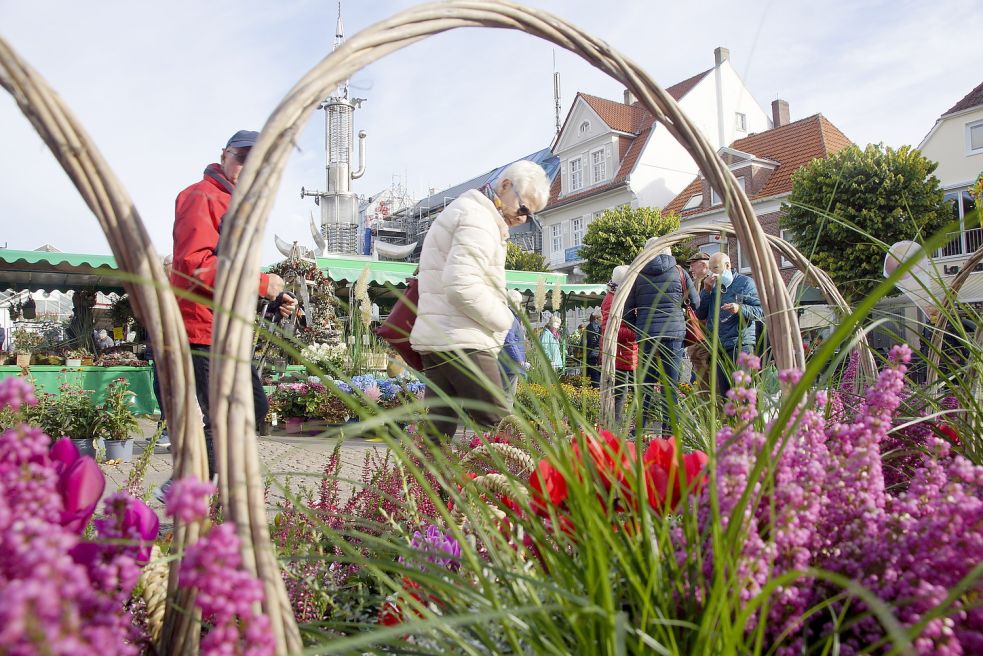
[576,174]
[598,166]
[694,201]
[716,200]
[585,127]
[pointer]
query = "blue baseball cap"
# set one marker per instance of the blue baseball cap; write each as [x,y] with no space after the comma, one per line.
[243,139]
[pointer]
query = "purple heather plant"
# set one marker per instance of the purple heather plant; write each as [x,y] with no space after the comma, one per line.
[58,593]
[437,547]
[827,506]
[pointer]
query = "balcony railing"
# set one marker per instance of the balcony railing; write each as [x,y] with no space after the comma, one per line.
[966,242]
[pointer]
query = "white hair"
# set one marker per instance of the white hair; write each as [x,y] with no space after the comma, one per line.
[619,274]
[516,297]
[530,182]
[555,321]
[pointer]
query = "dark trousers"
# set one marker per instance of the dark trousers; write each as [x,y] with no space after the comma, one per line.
[662,359]
[454,374]
[594,371]
[727,363]
[156,387]
[623,381]
[201,362]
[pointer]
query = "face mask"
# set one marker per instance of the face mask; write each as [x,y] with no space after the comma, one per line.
[726,278]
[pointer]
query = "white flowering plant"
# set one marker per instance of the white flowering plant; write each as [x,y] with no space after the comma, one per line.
[324,356]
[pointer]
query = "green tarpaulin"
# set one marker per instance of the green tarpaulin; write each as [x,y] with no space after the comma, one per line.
[48,378]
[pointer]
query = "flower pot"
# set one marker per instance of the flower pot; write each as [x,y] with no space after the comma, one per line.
[54,360]
[376,361]
[294,424]
[23,359]
[73,362]
[119,450]
[87,447]
[87,362]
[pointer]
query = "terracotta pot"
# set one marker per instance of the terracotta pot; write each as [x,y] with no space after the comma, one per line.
[87,362]
[23,359]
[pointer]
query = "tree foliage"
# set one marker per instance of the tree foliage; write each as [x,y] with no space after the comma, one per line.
[518,259]
[618,235]
[843,208]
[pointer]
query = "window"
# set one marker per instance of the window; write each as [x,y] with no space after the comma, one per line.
[740,122]
[585,127]
[710,248]
[974,137]
[787,236]
[695,201]
[576,175]
[577,227]
[598,215]
[716,200]
[556,239]
[598,166]
[968,239]
[742,265]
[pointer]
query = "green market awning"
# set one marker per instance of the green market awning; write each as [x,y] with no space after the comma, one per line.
[382,273]
[48,271]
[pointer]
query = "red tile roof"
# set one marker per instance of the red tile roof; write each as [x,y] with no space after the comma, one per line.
[972,99]
[792,146]
[632,119]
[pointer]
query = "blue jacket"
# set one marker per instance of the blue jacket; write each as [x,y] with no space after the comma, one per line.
[513,353]
[655,302]
[735,329]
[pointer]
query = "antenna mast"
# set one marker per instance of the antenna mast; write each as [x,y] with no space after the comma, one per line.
[556,94]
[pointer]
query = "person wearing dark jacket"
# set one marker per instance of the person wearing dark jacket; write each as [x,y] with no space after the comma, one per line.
[592,342]
[198,216]
[733,320]
[655,308]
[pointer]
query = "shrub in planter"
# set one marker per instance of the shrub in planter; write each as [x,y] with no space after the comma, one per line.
[116,422]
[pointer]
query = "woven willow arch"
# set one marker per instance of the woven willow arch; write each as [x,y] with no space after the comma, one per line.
[806,270]
[237,282]
[144,280]
[949,302]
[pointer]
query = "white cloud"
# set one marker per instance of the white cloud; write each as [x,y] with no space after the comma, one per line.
[161,86]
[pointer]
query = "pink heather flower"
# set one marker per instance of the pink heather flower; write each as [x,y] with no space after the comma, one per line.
[372,393]
[227,596]
[748,361]
[15,392]
[790,376]
[187,499]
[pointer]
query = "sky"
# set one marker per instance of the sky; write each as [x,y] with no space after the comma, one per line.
[161,86]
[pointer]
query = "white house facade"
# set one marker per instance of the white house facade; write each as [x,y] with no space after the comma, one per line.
[956,143]
[614,153]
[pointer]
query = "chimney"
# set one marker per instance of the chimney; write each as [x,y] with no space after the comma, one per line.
[720,55]
[779,113]
[629,97]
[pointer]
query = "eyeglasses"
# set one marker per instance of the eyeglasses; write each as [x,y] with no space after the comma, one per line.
[239,154]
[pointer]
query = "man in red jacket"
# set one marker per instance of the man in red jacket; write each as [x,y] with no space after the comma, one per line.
[197,223]
[626,357]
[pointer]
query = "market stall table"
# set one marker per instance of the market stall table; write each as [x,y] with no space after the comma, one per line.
[48,378]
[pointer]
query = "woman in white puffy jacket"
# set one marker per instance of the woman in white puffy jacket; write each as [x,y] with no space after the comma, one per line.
[462,316]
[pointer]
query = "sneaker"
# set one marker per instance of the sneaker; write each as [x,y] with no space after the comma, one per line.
[164,441]
[160,493]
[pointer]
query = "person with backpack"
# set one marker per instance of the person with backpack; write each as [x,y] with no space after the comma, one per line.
[655,309]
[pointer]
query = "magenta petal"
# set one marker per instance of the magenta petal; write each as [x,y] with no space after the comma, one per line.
[81,486]
[85,553]
[63,453]
[145,521]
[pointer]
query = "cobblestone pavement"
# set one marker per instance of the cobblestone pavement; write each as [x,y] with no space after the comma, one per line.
[296,461]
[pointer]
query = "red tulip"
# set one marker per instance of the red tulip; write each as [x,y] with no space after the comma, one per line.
[948,432]
[547,484]
[613,458]
[661,465]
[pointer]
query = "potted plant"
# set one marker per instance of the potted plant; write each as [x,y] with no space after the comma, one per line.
[116,421]
[25,343]
[74,357]
[71,413]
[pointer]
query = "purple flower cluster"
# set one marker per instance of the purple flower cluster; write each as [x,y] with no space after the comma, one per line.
[58,593]
[437,547]
[827,506]
[15,392]
[187,499]
[228,595]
